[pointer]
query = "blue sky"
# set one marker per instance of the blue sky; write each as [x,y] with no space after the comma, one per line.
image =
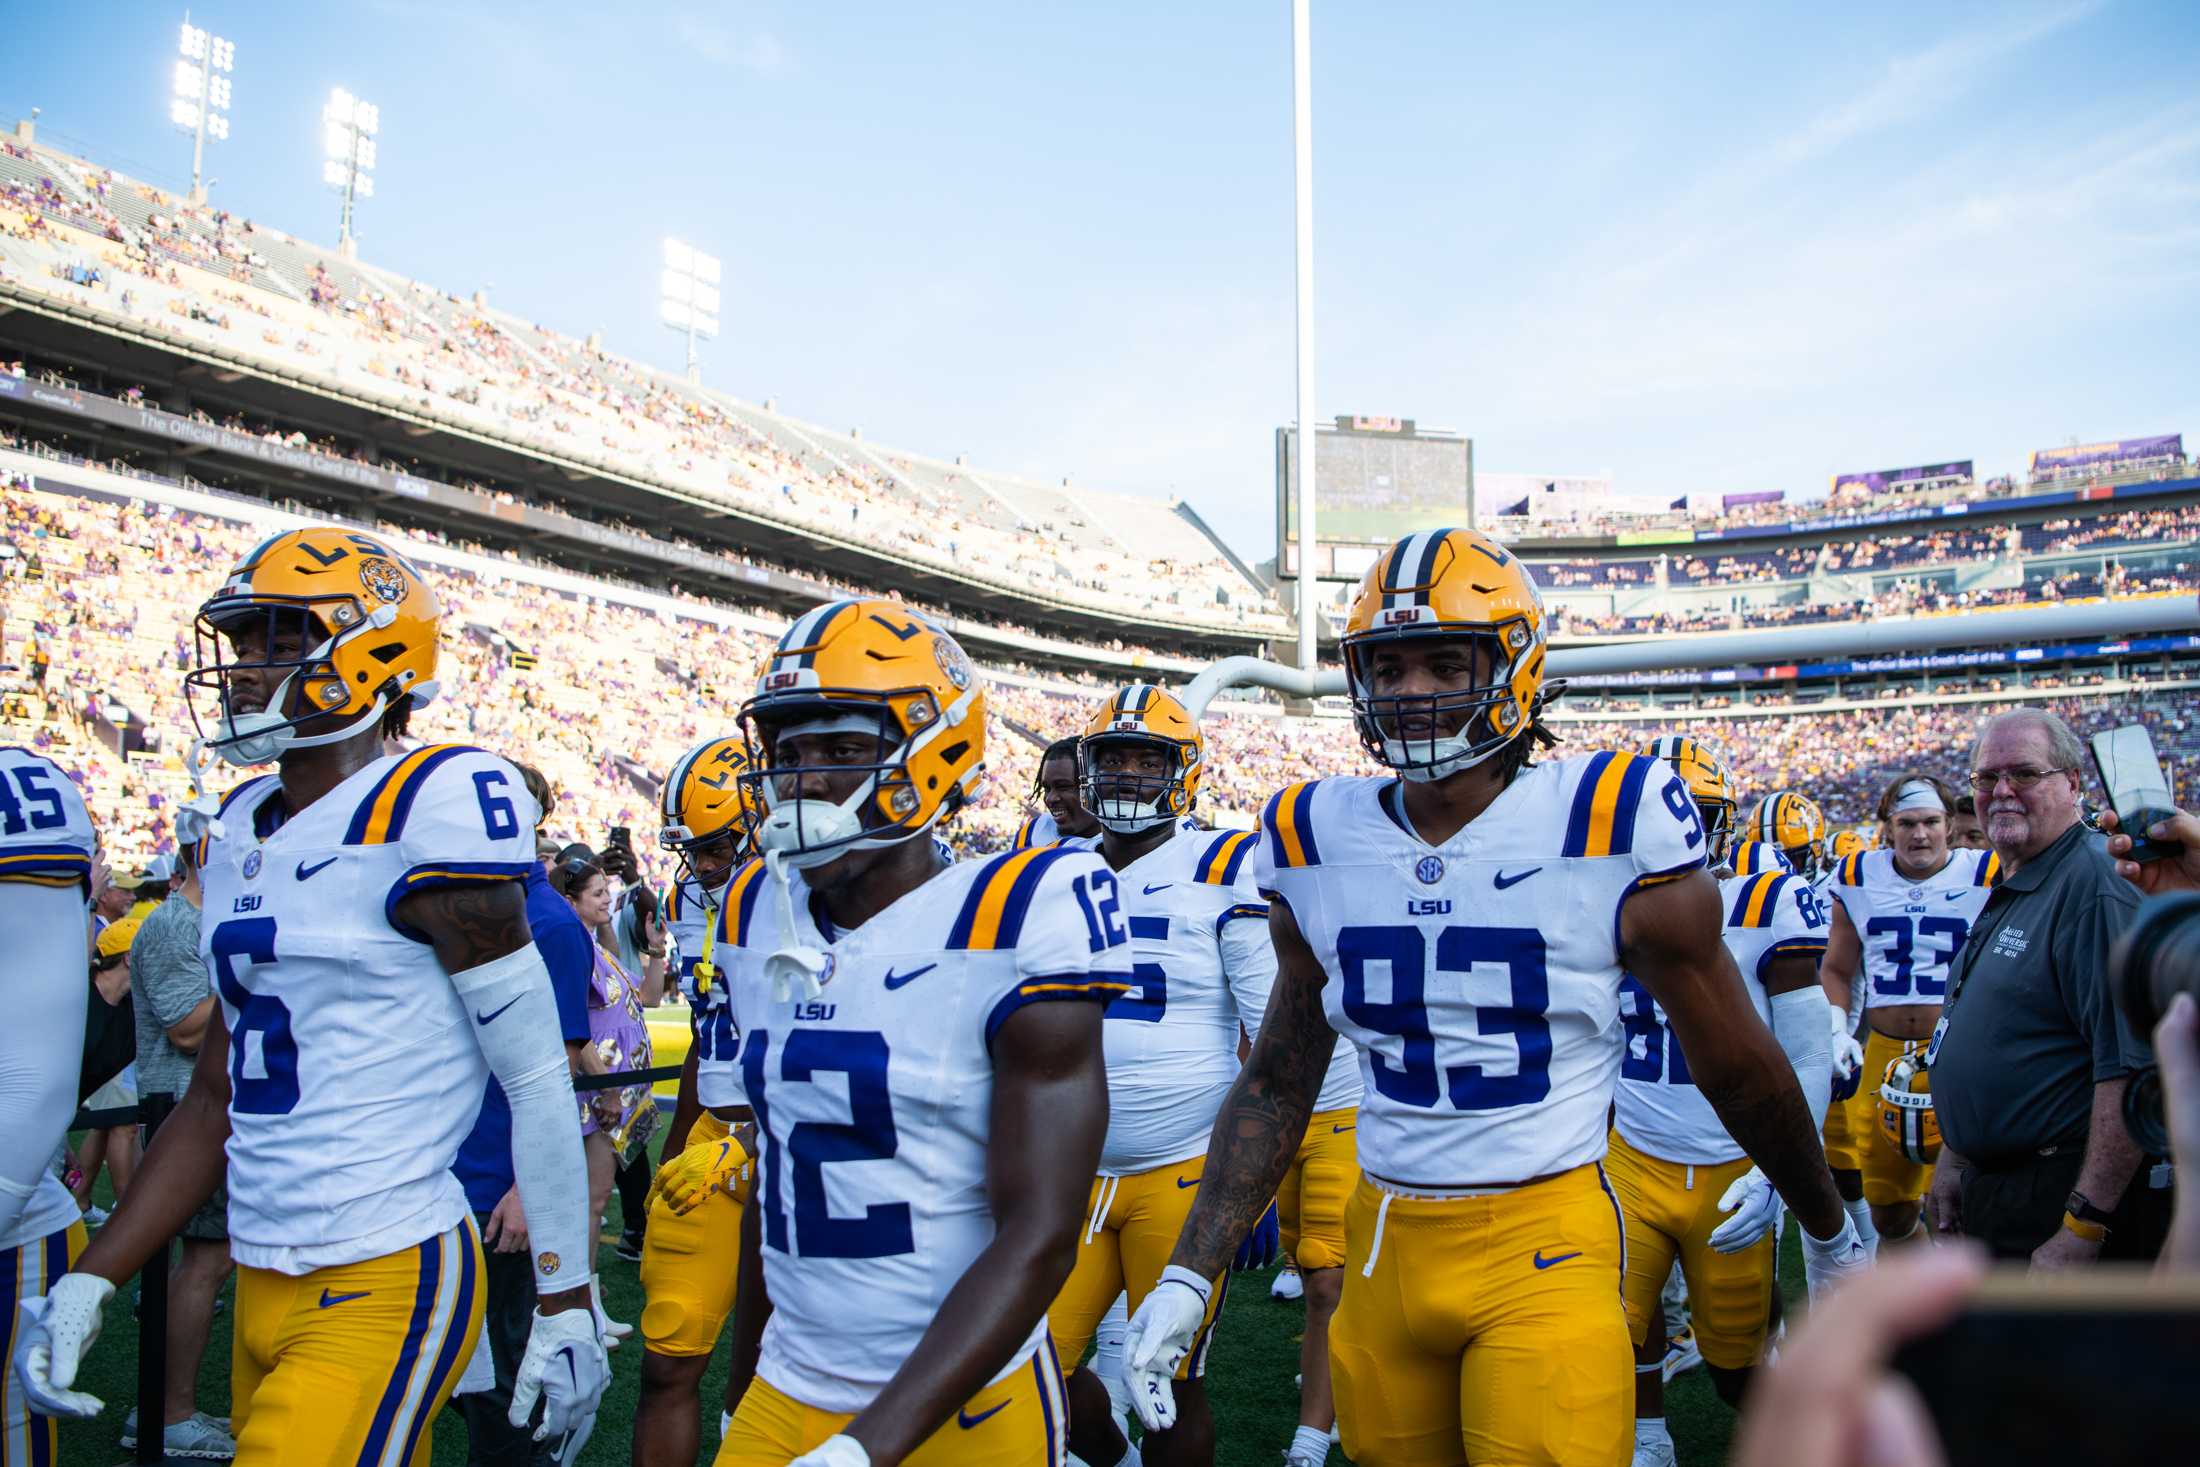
[1708,251]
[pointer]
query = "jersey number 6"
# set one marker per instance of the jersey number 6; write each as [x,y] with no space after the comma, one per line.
[1417,1080]
[263,1056]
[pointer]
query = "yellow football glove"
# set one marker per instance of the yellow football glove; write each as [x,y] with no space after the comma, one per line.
[690,1179]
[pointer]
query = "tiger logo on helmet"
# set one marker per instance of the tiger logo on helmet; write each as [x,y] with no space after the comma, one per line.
[707,810]
[1839,845]
[1710,785]
[1438,585]
[1793,825]
[1140,719]
[1906,1115]
[872,669]
[349,623]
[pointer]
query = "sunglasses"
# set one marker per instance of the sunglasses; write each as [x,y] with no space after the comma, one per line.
[2020,778]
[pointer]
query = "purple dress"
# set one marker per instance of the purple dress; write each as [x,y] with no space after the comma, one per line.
[621,1036]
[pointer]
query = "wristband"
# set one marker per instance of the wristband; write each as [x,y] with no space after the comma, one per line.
[2092,1232]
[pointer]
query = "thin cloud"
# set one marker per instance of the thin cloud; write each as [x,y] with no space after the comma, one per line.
[713,41]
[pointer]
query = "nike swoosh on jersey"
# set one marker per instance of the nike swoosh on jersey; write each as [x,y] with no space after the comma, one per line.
[966,1421]
[481,1018]
[307,873]
[895,980]
[1542,1263]
[1164,886]
[1340,1130]
[1181,1184]
[1514,878]
[327,1298]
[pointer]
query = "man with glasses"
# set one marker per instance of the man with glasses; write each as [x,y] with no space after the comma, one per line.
[2031,1058]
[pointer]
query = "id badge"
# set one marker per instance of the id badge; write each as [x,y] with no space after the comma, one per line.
[1932,1045]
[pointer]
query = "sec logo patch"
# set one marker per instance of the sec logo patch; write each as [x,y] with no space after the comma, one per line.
[1429,870]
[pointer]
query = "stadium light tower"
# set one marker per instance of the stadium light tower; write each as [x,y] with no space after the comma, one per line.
[1302,159]
[688,297]
[349,126]
[199,103]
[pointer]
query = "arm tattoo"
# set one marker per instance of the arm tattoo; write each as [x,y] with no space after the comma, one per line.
[1263,1118]
[470,923]
[1771,1122]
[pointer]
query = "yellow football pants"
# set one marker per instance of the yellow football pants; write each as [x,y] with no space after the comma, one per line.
[1842,1153]
[1484,1329]
[1670,1209]
[352,1363]
[1890,1178]
[1018,1421]
[1131,1225]
[1310,1203]
[689,1264]
[26,1272]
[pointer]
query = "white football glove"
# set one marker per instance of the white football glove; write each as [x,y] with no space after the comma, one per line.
[565,1368]
[1756,1209]
[835,1451]
[57,1332]
[1847,1053]
[1159,1337]
[1830,1262]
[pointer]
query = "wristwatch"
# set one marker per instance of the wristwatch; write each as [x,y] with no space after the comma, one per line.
[2082,1219]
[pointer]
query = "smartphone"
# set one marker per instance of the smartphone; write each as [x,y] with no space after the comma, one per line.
[2094,1366]
[623,837]
[2137,787]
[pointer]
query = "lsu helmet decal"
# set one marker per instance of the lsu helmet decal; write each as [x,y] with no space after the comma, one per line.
[1462,586]
[1125,799]
[1710,784]
[875,670]
[1839,845]
[705,803]
[348,623]
[1793,825]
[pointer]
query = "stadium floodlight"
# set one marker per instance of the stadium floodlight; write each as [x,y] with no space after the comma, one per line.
[348,128]
[199,99]
[687,296]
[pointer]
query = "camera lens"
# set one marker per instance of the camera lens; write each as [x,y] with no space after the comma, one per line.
[2157,959]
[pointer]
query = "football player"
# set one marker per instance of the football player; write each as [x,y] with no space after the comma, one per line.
[1900,917]
[1686,1190]
[1792,824]
[1965,833]
[1467,925]
[921,1045]
[1202,964]
[46,856]
[1756,858]
[693,1241]
[367,934]
[1062,814]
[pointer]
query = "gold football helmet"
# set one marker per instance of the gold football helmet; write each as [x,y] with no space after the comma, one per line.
[1447,584]
[874,668]
[1793,825]
[1140,716]
[707,810]
[1841,844]
[1710,784]
[348,621]
[1906,1114]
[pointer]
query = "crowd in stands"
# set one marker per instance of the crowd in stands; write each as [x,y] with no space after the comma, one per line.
[114,244]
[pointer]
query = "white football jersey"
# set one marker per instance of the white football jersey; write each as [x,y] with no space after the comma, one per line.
[1912,930]
[873,1101]
[1039,829]
[46,848]
[692,916]
[1201,966]
[1341,1084]
[353,1069]
[1659,1111]
[1480,978]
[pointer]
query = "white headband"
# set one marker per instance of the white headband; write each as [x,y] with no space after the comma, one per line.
[1919,794]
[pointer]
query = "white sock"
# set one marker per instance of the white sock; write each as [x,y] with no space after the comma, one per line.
[1650,1431]
[1860,1213]
[1107,1356]
[1311,1441]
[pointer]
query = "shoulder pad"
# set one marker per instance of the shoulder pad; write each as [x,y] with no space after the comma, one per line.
[1601,819]
[1755,903]
[1851,870]
[1289,825]
[380,818]
[737,908]
[1989,872]
[1224,858]
[993,911]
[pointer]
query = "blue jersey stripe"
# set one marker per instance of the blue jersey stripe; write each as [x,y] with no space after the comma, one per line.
[455,1334]
[1630,797]
[958,936]
[1302,813]
[1585,793]
[408,1353]
[1018,904]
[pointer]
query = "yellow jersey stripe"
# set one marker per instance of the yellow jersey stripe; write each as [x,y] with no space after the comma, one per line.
[992,902]
[371,826]
[1604,805]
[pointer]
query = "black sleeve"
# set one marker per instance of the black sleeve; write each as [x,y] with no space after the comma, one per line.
[2092,917]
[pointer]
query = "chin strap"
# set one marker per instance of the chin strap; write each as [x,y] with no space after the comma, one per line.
[796,972]
[199,816]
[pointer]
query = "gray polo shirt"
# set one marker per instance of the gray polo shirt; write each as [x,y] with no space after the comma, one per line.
[169,978]
[2031,1023]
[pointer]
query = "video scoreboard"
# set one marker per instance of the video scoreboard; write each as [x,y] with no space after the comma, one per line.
[1375,480]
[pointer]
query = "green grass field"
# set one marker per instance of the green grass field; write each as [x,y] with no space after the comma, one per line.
[1250,1375]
